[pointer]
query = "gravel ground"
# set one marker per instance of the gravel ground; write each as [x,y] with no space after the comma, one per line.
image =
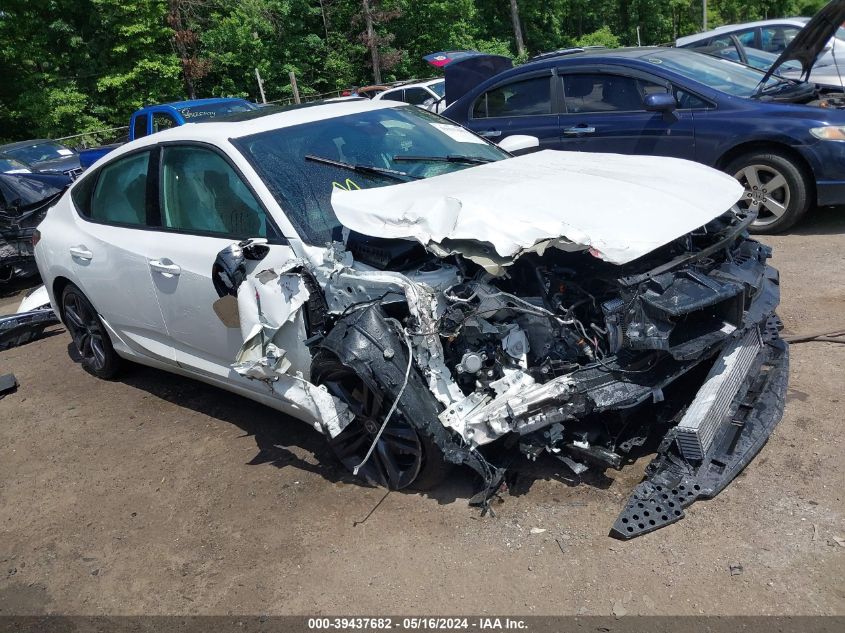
[156,494]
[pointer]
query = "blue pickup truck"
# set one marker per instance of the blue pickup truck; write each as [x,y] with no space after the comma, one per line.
[152,119]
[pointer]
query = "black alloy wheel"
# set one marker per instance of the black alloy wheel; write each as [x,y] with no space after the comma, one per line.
[88,333]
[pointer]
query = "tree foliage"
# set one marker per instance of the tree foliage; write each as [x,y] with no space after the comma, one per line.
[71,66]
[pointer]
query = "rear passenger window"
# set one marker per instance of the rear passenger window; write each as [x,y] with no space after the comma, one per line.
[202,193]
[416,96]
[521,98]
[748,38]
[775,39]
[120,195]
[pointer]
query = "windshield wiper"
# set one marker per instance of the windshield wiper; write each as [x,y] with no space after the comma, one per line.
[401,176]
[450,158]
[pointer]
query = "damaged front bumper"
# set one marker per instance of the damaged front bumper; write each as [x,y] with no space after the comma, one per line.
[724,428]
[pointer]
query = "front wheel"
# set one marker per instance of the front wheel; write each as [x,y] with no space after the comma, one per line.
[775,187]
[89,336]
[403,456]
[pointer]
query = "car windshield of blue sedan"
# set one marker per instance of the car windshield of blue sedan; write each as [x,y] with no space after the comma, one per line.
[302,164]
[721,74]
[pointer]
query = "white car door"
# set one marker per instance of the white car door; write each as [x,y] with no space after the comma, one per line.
[205,206]
[108,247]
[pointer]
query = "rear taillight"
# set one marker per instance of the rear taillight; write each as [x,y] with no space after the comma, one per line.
[36,237]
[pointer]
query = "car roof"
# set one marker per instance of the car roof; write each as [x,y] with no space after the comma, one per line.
[631,52]
[728,28]
[190,103]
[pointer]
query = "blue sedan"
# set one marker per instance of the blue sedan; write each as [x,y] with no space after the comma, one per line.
[779,137]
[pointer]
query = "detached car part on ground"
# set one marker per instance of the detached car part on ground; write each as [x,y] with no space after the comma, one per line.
[454,305]
[33,317]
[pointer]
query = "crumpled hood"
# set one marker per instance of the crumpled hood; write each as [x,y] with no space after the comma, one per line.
[621,207]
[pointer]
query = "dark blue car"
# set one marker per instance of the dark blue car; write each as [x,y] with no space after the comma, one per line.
[770,132]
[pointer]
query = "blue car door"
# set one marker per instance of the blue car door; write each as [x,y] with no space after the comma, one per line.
[526,104]
[604,112]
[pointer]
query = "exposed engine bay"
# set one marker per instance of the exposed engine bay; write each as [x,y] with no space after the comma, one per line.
[560,353]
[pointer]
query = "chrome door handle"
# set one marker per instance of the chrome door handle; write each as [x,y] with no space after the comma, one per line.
[579,129]
[165,267]
[490,133]
[80,252]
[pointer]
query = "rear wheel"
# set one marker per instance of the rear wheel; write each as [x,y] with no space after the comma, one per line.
[403,456]
[89,335]
[775,187]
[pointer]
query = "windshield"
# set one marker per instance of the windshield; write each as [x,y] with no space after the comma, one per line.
[439,88]
[735,79]
[205,111]
[39,152]
[386,146]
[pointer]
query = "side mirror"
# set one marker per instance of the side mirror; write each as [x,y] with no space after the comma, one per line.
[429,102]
[660,102]
[518,143]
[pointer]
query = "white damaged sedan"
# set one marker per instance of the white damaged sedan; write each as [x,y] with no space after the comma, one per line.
[422,297]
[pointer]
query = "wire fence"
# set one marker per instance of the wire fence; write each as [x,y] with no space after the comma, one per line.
[95,138]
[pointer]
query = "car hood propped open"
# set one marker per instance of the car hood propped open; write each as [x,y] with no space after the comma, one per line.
[620,207]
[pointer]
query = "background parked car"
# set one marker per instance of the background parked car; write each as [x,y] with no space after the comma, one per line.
[9,165]
[675,102]
[24,200]
[154,118]
[759,44]
[43,155]
[425,94]
[770,36]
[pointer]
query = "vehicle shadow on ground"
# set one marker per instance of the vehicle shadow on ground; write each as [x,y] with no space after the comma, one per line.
[821,221]
[280,440]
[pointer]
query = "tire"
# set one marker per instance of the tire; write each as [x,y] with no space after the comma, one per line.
[89,335]
[779,208]
[405,457]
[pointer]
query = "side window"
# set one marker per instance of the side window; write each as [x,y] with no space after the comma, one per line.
[120,195]
[139,129]
[688,101]
[606,93]
[775,39]
[200,192]
[394,95]
[520,98]
[416,96]
[747,38]
[162,121]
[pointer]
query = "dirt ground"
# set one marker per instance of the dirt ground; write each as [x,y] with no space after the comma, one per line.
[155,494]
